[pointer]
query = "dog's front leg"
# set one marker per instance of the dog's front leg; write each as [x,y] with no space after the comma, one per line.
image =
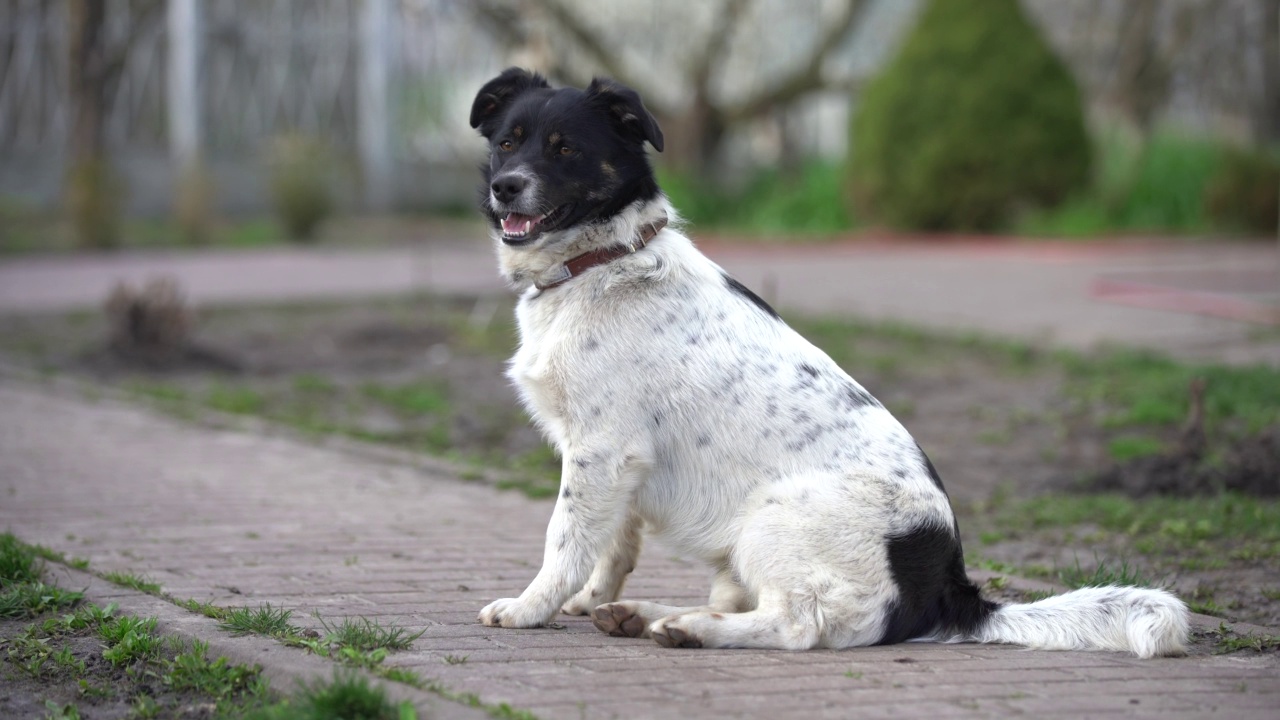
[589,513]
[606,581]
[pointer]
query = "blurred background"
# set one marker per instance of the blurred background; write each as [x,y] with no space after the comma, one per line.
[247,122]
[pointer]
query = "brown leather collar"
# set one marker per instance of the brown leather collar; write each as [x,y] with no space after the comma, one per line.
[580,264]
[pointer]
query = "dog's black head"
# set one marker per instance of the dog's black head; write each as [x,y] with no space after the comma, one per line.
[561,159]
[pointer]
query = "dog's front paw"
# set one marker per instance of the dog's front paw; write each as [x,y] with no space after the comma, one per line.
[512,613]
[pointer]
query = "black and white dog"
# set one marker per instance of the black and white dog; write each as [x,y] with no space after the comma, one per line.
[682,404]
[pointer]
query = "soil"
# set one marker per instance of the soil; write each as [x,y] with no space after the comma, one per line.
[102,692]
[428,373]
[1251,466]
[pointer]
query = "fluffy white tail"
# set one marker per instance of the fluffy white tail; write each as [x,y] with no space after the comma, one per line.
[1148,623]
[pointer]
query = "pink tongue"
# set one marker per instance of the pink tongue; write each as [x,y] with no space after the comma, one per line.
[515,223]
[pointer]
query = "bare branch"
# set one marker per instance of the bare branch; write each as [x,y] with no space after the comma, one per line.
[808,77]
[499,20]
[726,23]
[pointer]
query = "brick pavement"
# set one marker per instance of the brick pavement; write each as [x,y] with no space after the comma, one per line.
[242,518]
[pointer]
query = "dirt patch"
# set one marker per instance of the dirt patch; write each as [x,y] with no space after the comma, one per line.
[77,675]
[1251,466]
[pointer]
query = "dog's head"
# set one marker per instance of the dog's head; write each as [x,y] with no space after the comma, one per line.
[561,159]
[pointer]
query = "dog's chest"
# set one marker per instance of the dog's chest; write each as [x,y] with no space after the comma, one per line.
[537,369]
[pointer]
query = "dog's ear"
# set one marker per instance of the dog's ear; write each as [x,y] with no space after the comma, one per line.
[626,108]
[497,94]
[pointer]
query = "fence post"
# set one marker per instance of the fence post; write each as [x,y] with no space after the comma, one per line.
[374,122]
[184,84]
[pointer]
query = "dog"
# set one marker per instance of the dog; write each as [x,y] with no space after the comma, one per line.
[682,405]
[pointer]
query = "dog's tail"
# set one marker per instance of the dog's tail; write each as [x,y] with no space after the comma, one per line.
[1148,623]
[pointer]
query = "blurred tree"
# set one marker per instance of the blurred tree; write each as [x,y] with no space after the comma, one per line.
[974,118]
[93,192]
[697,123]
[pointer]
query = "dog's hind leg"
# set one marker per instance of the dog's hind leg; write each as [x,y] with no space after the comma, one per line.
[611,570]
[774,624]
[634,619]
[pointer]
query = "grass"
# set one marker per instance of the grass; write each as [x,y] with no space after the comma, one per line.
[806,201]
[263,620]
[1158,187]
[367,635]
[1105,573]
[135,582]
[1227,522]
[348,696]
[138,661]
[1227,640]
[130,640]
[22,590]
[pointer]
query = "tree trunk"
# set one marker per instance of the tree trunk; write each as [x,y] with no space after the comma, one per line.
[92,194]
[1266,110]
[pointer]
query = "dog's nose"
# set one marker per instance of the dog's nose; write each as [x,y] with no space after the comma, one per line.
[508,187]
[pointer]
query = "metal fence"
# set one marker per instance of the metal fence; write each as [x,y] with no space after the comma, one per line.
[379,81]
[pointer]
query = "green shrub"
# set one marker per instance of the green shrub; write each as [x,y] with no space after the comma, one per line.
[1244,193]
[1160,185]
[975,118]
[300,177]
[805,201]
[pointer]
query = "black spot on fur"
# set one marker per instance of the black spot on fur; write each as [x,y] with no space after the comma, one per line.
[657,418]
[591,344]
[567,493]
[703,441]
[809,369]
[933,591]
[855,397]
[582,462]
[754,299]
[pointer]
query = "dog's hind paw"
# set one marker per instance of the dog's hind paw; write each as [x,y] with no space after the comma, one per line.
[583,603]
[673,637]
[619,620]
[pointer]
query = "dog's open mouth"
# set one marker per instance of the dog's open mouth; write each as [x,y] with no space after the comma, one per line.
[520,229]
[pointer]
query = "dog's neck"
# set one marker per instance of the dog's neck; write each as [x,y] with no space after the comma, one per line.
[542,264]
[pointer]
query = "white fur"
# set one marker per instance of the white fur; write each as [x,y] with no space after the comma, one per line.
[679,405]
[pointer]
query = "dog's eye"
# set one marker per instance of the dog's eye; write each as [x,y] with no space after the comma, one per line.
[566,150]
[506,146]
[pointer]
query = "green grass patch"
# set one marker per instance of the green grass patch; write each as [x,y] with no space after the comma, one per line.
[366,635]
[130,640]
[1103,573]
[1227,640]
[1228,524]
[1156,187]
[235,399]
[1146,390]
[262,620]
[137,582]
[806,201]
[418,398]
[348,696]
[22,591]
[1126,448]
[19,562]
[30,599]
[193,671]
